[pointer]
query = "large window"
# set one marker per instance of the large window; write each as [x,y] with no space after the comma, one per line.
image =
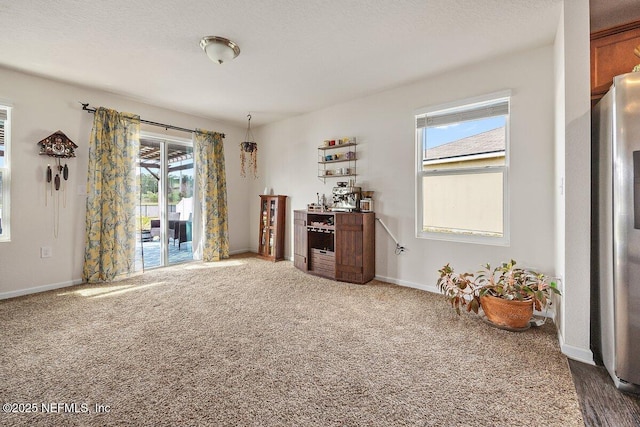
[462,170]
[5,176]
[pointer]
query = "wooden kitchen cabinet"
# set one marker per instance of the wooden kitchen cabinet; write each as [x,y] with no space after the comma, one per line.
[612,55]
[335,245]
[272,224]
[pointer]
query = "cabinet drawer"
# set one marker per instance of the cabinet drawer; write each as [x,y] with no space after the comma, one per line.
[322,255]
[323,262]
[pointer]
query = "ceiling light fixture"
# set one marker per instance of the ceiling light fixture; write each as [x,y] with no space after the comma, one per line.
[219,49]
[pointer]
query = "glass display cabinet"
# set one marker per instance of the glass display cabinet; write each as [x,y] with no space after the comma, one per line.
[272,223]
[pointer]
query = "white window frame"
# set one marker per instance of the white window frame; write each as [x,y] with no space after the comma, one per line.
[452,235]
[5,171]
[163,201]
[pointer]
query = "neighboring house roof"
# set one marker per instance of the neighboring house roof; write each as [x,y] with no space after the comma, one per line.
[492,141]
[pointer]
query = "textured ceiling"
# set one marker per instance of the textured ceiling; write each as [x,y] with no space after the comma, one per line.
[609,13]
[296,55]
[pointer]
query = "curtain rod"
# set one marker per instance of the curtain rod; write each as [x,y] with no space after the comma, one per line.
[88,109]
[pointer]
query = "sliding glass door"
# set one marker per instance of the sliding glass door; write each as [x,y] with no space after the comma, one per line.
[165,209]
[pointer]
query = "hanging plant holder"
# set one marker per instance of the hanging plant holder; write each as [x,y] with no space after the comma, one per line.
[249,148]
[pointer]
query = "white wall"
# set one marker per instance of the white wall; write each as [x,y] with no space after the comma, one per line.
[42,107]
[574,146]
[384,127]
[560,161]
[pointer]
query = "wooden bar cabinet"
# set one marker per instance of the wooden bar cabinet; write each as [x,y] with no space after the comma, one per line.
[336,245]
[272,223]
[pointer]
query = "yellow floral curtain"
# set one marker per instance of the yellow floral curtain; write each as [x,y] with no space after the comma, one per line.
[112,193]
[211,235]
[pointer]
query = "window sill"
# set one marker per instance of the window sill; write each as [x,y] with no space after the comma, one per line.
[464,238]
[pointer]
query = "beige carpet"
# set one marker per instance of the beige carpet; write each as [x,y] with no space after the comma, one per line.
[253,343]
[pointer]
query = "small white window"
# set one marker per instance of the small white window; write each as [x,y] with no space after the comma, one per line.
[5,175]
[462,168]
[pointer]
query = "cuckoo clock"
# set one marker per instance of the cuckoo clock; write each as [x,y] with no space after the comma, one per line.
[58,146]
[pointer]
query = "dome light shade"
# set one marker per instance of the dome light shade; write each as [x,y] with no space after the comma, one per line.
[219,49]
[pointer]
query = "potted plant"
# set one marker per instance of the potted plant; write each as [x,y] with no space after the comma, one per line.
[507,294]
[249,148]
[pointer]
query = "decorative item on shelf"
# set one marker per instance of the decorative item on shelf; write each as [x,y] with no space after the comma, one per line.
[636,52]
[320,205]
[366,203]
[249,147]
[59,146]
[517,291]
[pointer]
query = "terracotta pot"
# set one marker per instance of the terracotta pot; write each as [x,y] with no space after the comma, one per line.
[507,313]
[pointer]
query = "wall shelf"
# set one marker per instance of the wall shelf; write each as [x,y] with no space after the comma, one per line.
[340,153]
[332,147]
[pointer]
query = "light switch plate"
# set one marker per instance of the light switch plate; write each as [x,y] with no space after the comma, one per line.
[45,252]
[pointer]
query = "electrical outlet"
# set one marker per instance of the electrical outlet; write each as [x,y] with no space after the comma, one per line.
[400,249]
[45,252]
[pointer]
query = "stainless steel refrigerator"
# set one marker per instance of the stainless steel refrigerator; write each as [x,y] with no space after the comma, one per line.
[616,138]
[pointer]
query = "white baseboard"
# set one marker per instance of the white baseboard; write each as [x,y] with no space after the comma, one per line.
[576,353]
[428,288]
[240,251]
[52,286]
[37,289]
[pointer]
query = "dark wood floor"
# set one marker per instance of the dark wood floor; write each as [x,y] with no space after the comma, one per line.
[601,403]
